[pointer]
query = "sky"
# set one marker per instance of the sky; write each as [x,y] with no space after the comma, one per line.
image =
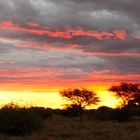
[49,45]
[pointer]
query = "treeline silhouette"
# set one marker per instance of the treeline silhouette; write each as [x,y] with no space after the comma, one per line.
[16,120]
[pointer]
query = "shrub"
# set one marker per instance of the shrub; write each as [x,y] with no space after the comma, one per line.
[135,111]
[72,111]
[42,112]
[122,115]
[105,113]
[18,121]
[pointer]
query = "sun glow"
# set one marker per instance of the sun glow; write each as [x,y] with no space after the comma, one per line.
[52,100]
[49,99]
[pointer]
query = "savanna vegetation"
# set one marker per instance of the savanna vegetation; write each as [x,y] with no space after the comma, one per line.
[75,122]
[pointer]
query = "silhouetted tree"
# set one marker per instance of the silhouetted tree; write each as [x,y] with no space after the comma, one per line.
[136,100]
[81,98]
[127,92]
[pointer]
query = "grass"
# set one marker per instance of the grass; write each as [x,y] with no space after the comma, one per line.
[63,128]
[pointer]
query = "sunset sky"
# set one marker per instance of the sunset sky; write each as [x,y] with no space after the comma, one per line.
[50,45]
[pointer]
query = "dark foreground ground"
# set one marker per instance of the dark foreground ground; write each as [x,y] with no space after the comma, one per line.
[63,128]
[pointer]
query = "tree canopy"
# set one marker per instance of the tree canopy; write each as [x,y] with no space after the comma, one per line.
[80,97]
[127,92]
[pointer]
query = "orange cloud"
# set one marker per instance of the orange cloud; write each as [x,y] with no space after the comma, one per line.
[120,34]
[113,54]
[32,24]
[137,37]
[2,62]
[33,76]
[67,34]
[114,78]
[23,44]
[30,73]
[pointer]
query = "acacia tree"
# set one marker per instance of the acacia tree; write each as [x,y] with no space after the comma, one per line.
[80,97]
[136,100]
[127,92]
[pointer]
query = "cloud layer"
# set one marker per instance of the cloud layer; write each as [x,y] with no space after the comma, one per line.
[59,42]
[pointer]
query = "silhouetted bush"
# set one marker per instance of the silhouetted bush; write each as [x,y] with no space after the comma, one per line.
[18,121]
[105,113]
[122,115]
[135,111]
[42,112]
[57,111]
[72,111]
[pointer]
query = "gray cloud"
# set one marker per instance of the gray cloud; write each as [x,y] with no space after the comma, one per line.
[98,15]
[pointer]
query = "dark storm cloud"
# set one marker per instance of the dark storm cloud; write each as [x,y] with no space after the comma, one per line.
[17,10]
[113,46]
[59,13]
